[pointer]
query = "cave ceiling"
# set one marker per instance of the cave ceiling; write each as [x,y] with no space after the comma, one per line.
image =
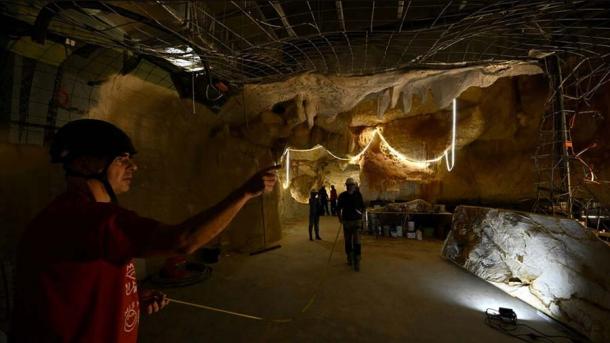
[261,41]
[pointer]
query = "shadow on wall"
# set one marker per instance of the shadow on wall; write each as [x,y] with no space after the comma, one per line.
[27,183]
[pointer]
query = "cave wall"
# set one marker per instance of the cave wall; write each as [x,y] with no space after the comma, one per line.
[325,117]
[497,166]
[496,136]
[290,209]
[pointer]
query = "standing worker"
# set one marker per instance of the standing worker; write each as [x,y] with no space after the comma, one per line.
[333,200]
[323,196]
[314,215]
[350,208]
[75,276]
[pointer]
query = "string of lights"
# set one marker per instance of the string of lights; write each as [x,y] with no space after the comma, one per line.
[448,154]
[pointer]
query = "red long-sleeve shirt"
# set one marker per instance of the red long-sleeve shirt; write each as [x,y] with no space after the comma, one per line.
[75,278]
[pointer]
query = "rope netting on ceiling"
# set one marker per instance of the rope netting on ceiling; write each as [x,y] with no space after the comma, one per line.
[260,41]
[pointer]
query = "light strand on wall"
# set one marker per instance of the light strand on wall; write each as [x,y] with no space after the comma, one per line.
[452,146]
[407,160]
[448,154]
[354,159]
[287,181]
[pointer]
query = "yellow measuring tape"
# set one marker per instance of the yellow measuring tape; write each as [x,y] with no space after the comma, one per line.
[285,320]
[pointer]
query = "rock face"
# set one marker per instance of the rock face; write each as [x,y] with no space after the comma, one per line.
[418,91]
[496,135]
[551,263]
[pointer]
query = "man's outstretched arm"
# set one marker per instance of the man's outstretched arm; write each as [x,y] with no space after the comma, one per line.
[199,230]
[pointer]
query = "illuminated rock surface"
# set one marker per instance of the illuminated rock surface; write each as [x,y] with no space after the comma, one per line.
[553,264]
[415,92]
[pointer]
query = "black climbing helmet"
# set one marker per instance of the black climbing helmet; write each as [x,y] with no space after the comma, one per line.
[89,137]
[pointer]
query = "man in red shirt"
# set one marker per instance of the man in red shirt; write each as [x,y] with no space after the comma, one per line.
[75,277]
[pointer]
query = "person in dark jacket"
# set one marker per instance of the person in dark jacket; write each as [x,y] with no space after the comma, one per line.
[314,215]
[333,200]
[350,208]
[323,198]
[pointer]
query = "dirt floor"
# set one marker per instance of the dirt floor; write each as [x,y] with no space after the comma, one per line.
[405,292]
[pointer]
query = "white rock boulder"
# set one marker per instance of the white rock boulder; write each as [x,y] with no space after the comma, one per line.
[554,264]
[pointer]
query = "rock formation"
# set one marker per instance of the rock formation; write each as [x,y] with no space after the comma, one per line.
[412,110]
[553,264]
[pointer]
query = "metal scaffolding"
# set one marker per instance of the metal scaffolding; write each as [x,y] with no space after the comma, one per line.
[553,155]
[563,175]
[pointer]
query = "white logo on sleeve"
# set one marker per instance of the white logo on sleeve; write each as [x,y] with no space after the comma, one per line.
[131,317]
[131,284]
[132,312]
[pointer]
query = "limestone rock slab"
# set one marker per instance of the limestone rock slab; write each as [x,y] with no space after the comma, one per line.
[326,96]
[553,264]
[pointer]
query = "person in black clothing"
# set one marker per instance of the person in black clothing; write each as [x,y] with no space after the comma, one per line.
[314,215]
[333,200]
[349,209]
[323,197]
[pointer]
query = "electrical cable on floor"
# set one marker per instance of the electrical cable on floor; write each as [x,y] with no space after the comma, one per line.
[311,300]
[215,309]
[511,328]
